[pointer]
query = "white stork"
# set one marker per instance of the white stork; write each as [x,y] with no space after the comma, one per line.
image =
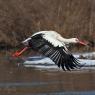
[52,45]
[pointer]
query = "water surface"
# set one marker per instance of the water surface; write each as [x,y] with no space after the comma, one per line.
[18,80]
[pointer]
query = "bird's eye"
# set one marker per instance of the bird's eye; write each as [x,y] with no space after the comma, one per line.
[77,40]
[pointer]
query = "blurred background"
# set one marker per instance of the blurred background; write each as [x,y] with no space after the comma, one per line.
[19,19]
[71,18]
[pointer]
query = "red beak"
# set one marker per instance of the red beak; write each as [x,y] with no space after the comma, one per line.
[82,43]
[18,53]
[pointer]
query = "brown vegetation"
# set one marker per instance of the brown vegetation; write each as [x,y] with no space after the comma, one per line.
[20,18]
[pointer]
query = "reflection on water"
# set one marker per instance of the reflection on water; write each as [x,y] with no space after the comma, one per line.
[16,80]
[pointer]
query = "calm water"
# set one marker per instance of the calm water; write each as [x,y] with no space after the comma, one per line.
[16,80]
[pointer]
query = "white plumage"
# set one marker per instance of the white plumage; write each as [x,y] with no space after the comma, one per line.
[52,45]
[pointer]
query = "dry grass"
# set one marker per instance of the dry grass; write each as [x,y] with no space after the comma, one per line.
[72,18]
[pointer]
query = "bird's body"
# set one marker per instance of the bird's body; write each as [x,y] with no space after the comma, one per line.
[52,45]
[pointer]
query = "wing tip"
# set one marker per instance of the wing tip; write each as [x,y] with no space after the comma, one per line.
[70,64]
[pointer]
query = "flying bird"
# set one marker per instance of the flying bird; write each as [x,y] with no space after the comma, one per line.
[51,44]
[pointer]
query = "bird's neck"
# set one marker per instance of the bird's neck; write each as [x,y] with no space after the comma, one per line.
[67,40]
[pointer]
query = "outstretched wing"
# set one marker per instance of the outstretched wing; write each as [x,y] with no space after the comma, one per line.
[56,51]
[61,58]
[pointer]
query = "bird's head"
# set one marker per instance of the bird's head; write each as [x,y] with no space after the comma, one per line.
[76,40]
